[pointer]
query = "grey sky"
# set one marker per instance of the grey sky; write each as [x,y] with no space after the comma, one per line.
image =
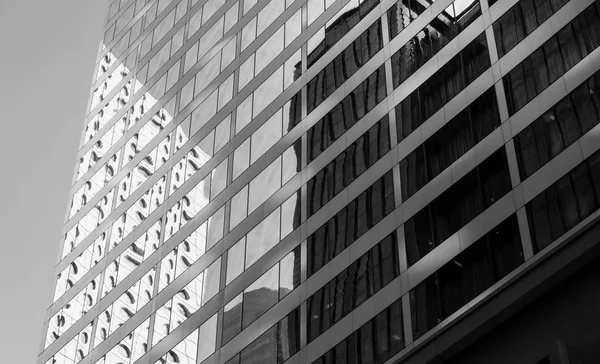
[47,54]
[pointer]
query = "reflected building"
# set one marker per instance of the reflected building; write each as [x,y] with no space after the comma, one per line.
[335,181]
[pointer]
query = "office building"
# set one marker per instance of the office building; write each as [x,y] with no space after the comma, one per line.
[336,181]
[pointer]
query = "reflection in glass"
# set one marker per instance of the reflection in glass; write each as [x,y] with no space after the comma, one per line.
[232,318]
[262,238]
[208,336]
[289,274]
[260,295]
[235,260]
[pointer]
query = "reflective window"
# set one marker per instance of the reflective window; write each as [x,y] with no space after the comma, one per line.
[347,113]
[336,27]
[565,203]
[449,143]
[429,41]
[344,66]
[374,342]
[442,86]
[559,127]
[349,165]
[350,223]
[353,286]
[402,13]
[276,345]
[457,206]
[521,20]
[552,60]
[467,275]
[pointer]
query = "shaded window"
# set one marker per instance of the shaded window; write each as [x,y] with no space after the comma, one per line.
[467,275]
[565,203]
[354,285]
[449,143]
[348,166]
[442,86]
[430,40]
[521,20]
[350,223]
[343,66]
[558,128]
[344,115]
[374,342]
[457,206]
[555,57]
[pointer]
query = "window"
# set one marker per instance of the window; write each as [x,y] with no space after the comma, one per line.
[549,62]
[449,143]
[355,284]
[374,342]
[521,20]
[344,115]
[430,40]
[350,223]
[443,85]
[344,65]
[348,166]
[558,128]
[466,276]
[457,206]
[566,203]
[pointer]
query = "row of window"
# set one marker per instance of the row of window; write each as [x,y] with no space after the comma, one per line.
[449,143]
[457,206]
[565,203]
[442,86]
[431,39]
[348,165]
[344,66]
[350,223]
[346,113]
[478,267]
[467,275]
[373,343]
[521,20]
[353,286]
[559,127]
[553,59]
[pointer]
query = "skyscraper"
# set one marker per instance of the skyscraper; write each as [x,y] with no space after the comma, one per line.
[335,181]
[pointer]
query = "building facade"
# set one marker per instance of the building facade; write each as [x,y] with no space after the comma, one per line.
[336,181]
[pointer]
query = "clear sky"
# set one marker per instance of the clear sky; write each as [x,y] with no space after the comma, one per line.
[47,54]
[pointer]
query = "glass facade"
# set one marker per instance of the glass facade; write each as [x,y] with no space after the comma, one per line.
[318,181]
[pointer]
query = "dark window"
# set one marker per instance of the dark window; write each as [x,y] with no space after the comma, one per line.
[457,206]
[348,166]
[374,342]
[521,20]
[402,13]
[336,30]
[449,143]
[443,85]
[344,115]
[430,40]
[350,223]
[557,128]
[466,276]
[565,203]
[344,65]
[353,286]
[549,62]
